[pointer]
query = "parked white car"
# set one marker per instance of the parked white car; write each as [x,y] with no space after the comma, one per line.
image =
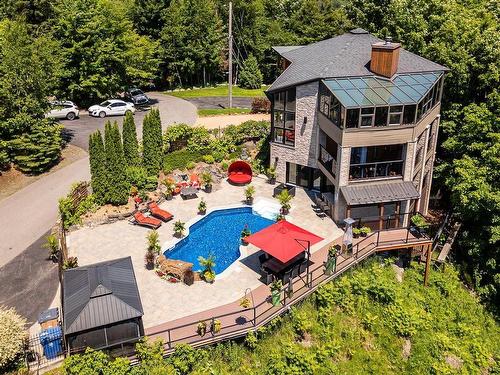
[64,109]
[111,107]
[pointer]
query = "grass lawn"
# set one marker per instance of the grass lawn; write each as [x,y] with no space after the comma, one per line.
[220,90]
[204,112]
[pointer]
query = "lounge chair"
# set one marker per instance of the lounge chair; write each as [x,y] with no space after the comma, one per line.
[194,180]
[159,213]
[150,222]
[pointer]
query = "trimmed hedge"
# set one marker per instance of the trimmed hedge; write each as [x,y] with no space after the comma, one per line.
[180,159]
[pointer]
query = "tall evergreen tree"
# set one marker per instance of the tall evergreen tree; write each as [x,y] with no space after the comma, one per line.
[152,142]
[250,76]
[130,144]
[98,170]
[118,187]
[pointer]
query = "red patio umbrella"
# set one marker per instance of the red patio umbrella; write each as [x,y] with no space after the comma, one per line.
[283,240]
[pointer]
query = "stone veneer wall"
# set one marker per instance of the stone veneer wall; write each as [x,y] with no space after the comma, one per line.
[306,135]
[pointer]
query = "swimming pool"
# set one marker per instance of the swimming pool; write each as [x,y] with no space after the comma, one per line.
[218,233]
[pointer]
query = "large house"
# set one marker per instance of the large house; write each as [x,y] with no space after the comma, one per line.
[356,118]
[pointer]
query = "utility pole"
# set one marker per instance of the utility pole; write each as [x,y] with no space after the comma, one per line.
[230,55]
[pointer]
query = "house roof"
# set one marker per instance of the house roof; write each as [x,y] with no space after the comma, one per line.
[379,193]
[100,294]
[346,55]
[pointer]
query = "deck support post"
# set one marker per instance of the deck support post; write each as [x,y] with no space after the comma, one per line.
[427,264]
[380,216]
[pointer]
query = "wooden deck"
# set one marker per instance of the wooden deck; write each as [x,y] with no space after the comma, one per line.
[237,321]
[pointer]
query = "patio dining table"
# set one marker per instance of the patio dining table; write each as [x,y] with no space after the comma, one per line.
[189,192]
[277,267]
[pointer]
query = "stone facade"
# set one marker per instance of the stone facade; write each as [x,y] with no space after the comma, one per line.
[305,151]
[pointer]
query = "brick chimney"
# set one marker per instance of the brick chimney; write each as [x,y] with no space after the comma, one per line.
[385,58]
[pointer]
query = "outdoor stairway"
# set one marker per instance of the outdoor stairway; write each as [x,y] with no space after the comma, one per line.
[266,208]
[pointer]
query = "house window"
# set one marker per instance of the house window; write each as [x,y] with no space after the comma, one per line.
[329,105]
[352,118]
[409,114]
[283,127]
[395,115]
[376,162]
[367,117]
[430,99]
[381,116]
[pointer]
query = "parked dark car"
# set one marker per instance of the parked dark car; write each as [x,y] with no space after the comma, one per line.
[136,96]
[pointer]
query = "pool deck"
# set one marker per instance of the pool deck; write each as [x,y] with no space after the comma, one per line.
[164,302]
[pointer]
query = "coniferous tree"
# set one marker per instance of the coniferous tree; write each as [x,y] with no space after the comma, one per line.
[130,144]
[98,170]
[250,76]
[118,187]
[152,142]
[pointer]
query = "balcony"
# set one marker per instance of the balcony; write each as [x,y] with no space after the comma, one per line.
[327,160]
[376,170]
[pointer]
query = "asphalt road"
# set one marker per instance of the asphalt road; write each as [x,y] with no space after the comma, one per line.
[172,110]
[211,102]
[27,281]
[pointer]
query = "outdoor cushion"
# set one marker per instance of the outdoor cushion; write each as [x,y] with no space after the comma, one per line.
[240,178]
[146,221]
[159,213]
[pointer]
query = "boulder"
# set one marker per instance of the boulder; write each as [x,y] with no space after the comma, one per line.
[173,267]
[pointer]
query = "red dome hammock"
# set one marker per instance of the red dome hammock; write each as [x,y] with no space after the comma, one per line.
[239,173]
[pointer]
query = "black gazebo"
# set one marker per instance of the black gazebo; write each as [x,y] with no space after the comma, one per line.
[102,308]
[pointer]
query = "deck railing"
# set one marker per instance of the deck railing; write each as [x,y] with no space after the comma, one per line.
[240,321]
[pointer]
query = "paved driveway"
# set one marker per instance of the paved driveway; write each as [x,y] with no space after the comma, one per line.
[172,110]
[210,102]
[26,216]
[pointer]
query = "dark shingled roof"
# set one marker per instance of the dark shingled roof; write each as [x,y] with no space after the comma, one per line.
[379,193]
[346,55]
[100,294]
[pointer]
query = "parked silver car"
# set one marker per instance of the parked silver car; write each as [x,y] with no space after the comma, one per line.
[136,96]
[111,107]
[63,110]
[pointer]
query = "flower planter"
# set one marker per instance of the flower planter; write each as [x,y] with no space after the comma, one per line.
[275,298]
[284,211]
[202,212]
[244,241]
[169,197]
[208,188]
[363,234]
[355,235]
[272,180]
[249,201]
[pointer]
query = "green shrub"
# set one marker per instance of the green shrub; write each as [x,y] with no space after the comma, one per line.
[152,142]
[209,159]
[199,140]
[251,340]
[180,159]
[191,165]
[117,186]
[4,155]
[95,362]
[176,137]
[139,177]
[71,215]
[12,337]
[250,76]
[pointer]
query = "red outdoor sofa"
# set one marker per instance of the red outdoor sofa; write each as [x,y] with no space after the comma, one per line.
[239,173]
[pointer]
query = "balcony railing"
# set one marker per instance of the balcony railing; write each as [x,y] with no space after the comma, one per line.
[327,160]
[376,170]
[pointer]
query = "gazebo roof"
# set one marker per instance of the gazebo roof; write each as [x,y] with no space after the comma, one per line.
[283,240]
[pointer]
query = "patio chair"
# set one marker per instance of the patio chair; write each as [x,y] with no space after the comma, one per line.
[286,277]
[295,272]
[268,277]
[157,212]
[303,266]
[262,258]
[150,222]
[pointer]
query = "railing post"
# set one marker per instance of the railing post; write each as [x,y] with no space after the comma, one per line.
[407,234]
[378,238]
[254,316]
[169,339]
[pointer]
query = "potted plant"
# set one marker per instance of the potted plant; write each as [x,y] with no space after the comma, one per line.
[356,232]
[71,262]
[245,302]
[364,231]
[244,234]
[271,175]
[276,287]
[249,192]
[215,326]
[285,198]
[280,217]
[179,228]
[149,259]
[206,180]
[208,264]
[52,245]
[202,207]
[134,191]
[331,261]
[153,242]
[169,188]
[201,329]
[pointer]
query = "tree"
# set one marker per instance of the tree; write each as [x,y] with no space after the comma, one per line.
[148,16]
[192,40]
[250,75]
[98,170]
[130,144]
[152,142]
[103,53]
[95,362]
[117,186]
[12,336]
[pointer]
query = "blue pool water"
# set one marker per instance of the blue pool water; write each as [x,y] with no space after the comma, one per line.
[218,233]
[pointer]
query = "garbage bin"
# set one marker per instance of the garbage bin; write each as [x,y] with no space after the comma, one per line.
[51,340]
[47,315]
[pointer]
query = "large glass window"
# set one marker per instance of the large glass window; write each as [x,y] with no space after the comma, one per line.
[395,115]
[430,99]
[409,114]
[381,116]
[376,161]
[330,106]
[283,127]
[352,118]
[328,154]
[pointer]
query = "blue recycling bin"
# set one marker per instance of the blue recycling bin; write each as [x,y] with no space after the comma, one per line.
[51,340]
